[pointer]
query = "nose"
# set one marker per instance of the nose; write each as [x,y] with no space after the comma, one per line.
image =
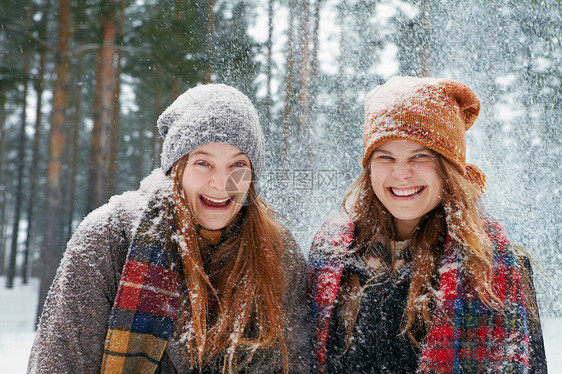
[402,171]
[218,180]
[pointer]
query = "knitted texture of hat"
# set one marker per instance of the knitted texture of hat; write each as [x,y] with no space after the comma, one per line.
[432,112]
[212,113]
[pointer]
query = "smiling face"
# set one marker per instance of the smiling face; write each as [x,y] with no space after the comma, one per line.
[406,179]
[216,180]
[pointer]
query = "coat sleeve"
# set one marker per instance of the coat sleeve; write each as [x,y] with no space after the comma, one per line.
[72,329]
[537,355]
[537,359]
[325,266]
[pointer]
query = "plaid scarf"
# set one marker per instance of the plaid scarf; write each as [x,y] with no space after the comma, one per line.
[142,317]
[465,335]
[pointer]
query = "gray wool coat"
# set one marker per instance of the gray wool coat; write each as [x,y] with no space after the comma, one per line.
[73,327]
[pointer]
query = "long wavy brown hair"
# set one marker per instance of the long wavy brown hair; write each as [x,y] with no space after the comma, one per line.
[234,293]
[457,215]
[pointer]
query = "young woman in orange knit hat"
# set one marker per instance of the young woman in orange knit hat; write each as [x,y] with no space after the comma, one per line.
[415,277]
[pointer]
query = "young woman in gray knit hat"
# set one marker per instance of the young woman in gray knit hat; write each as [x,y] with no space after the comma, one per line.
[190,273]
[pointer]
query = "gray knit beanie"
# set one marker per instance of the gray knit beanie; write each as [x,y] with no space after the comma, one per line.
[212,113]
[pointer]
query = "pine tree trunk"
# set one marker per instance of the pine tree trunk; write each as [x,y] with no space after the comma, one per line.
[289,82]
[156,143]
[3,192]
[304,65]
[341,67]
[314,56]
[106,71]
[139,171]
[268,98]
[210,36]
[73,153]
[114,144]
[53,245]
[20,160]
[425,54]
[39,88]
[94,143]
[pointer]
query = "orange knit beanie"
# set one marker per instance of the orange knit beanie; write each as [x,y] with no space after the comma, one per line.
[432,112]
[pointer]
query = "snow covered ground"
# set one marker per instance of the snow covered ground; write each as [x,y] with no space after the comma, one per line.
[17,313]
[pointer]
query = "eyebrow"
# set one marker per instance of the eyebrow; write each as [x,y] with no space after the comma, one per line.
[380,150]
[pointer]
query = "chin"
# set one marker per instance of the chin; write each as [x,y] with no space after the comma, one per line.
[214,225]
[406,217]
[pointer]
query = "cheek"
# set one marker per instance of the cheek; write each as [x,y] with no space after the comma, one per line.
[242,193]
[245,181]
[440,188]
[377,176]
[245,187]
[191,184]
[434,176]
[377,186]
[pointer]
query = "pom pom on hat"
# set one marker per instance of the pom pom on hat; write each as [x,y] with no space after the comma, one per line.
[432,112]
[212,113]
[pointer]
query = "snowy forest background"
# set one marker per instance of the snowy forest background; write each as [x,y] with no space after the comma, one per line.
[82,83]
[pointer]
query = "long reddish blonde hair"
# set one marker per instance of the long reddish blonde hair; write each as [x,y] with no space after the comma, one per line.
[457,215]
[240,307]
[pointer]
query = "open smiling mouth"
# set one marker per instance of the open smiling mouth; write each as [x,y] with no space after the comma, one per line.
[406,192]
[215,203]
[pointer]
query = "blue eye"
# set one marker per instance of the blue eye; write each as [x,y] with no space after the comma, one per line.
[201,163]
[239,164]
[384,157]
[421,155]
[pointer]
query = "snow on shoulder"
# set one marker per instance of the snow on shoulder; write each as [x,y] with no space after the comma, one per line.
[155,183]
[333,238]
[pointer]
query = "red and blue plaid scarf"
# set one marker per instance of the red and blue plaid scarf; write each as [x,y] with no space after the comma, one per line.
[465,335]
[142,317]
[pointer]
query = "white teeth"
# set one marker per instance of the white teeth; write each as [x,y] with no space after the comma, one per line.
[216,201]
[406,192]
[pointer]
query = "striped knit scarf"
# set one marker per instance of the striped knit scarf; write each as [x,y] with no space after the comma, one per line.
[465,335]
[142,317]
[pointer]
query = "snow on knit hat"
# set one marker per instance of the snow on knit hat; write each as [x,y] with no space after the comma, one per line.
[432,112]
[212,113]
